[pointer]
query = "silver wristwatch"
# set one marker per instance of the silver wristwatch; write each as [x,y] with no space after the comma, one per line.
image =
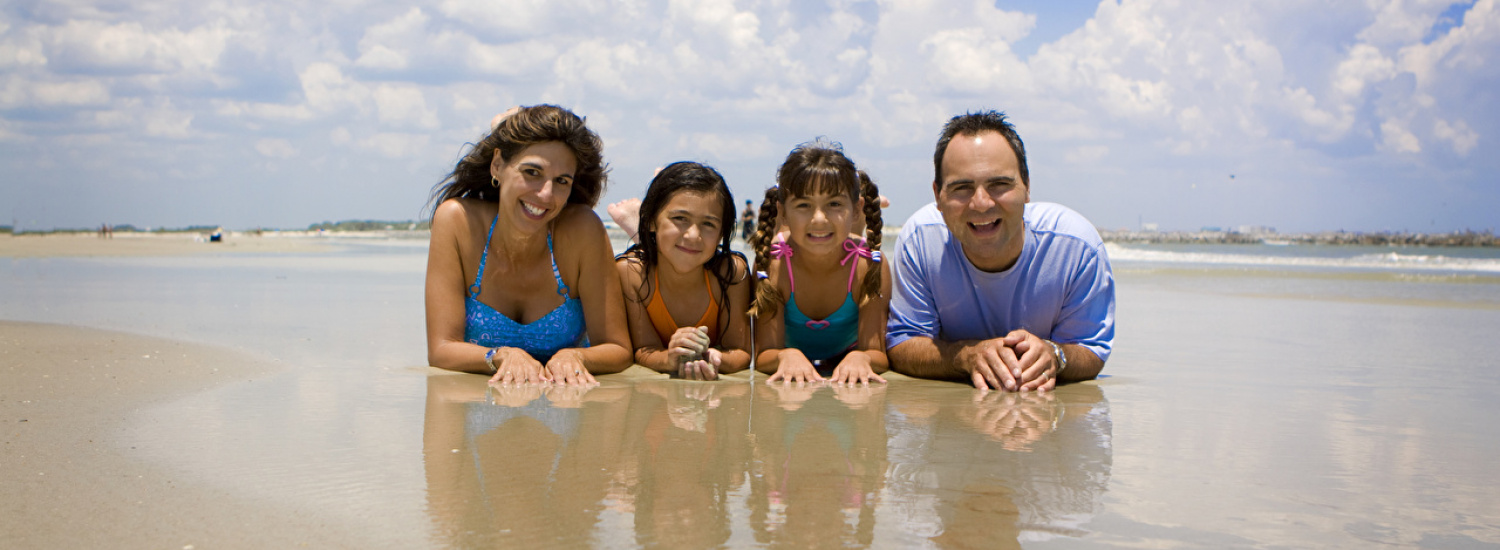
[1062,359]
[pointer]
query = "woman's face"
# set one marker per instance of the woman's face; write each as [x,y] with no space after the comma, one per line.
[688,229]
[820,221]
[535,185]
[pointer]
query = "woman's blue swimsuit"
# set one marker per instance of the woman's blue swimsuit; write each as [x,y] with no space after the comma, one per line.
[560,328]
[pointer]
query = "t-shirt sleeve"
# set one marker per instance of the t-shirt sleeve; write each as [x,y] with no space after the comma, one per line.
[912,311]
[1088,315]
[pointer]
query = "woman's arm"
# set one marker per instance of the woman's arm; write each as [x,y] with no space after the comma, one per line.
[446,348]
[594,276]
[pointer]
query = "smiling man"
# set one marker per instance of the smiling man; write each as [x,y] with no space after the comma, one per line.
[991,288]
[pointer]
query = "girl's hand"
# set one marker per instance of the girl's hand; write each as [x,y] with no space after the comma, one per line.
[706,368]
[687,344]
[567,368]
[699,370]
[855,368]
[794,367]
[515,366]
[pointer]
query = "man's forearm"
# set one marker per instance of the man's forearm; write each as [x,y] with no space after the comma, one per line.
[1082,364]
[923,357]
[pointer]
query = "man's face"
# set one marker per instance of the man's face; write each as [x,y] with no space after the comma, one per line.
[982,199]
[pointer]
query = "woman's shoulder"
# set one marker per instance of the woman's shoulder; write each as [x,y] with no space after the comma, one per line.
[460,214]
[458,210]
[577,220]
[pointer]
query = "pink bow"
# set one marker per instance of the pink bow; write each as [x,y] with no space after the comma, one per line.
[782,250]
[857,249]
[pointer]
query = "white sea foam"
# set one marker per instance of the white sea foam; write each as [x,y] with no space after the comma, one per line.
[1384,260]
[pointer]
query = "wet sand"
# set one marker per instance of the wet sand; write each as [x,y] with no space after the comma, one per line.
[151,244]
[1242,409]
[74,478]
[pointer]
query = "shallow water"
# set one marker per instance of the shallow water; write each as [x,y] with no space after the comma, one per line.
[1265,407]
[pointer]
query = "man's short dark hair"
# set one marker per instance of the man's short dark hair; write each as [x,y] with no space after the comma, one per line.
[973,124]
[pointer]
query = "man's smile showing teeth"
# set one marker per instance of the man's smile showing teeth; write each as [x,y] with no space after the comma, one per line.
[985,227]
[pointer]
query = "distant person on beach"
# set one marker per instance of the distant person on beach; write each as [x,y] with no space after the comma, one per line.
[513,235]
[803,324]
[685,291]
[993,290]
[747,221]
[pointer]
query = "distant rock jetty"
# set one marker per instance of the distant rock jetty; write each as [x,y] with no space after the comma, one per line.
[1457,238]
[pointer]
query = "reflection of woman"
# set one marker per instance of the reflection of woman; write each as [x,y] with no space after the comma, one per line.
[518,475]
[513,236]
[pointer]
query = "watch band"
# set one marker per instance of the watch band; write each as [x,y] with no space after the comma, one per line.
[489,359]
[1062,358]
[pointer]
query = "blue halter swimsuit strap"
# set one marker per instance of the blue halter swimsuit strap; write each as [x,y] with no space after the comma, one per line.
[821,339]
[563,327]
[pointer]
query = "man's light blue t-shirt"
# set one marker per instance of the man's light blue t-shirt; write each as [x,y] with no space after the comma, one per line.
[1060,288]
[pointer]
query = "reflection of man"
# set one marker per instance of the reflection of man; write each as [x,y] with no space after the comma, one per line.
[991,289]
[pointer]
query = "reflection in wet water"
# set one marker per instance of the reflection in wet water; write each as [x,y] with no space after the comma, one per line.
[690,464]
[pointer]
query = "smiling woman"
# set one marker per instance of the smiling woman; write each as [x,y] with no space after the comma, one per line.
[513,234]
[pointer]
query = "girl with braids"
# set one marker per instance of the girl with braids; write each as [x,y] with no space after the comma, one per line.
[804,326]
[519,284]
[685,291]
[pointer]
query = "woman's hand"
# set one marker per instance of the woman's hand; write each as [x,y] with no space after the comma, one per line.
[855,368]
[793,366]
[567,367]
[686,345]
[515,366]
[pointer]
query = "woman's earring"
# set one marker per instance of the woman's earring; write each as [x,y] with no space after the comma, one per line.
[494,182]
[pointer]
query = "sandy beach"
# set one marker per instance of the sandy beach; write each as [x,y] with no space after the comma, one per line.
[74,479]
[152,244]
[1297,406]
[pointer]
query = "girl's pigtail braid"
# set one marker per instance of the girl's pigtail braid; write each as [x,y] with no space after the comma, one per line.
[767,298]
[874,229]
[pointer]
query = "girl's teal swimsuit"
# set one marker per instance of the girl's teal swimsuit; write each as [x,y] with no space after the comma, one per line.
[560,328]
[823,339]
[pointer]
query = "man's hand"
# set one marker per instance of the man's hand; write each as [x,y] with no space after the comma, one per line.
[1037,361]
[991,365]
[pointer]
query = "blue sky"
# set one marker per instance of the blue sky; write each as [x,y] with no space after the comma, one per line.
[1368,115]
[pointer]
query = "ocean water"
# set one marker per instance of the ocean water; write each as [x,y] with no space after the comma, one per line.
[1257,397]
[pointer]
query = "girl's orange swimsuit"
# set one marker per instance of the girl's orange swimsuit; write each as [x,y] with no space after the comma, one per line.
[662,321]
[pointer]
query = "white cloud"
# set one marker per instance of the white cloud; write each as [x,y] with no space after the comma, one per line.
[1457,134]
[325,88]
[403,105]
[131,46]
[726,146]
[275,148]
[1364,65]
[1396,138]
[396,145]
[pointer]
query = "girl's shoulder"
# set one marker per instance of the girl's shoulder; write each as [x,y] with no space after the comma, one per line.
[736,269]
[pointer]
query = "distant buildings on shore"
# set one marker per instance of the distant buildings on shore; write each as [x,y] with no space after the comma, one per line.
[1268,235]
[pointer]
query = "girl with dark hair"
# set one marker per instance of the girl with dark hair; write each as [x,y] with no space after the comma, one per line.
[816,329]
[518,279]
[685,291]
